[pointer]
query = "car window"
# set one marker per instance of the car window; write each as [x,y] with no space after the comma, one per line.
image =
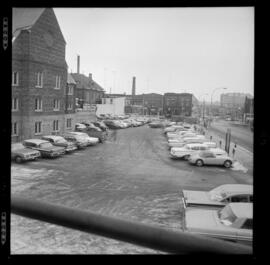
[247,224]
[251,198]
[239,198]
[29,144]
[45,145]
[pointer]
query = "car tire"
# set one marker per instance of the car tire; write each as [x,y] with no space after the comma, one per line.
[18,159]
[199,163]
[227,164]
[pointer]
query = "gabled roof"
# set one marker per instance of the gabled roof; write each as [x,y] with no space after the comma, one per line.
[83,81]
[70,79]
[24,18]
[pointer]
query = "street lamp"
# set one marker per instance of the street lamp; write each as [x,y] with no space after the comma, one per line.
[212,98]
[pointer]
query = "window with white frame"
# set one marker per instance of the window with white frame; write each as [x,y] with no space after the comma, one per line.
[69,106]
[15,104]
[55,125]
[69,123]
[38,127]
[39,79]
[38,104]
[56,104]
[57,82]
[70,90]
[14,128]
[15,78]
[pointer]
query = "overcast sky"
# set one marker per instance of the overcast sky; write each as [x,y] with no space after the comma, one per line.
[193,50]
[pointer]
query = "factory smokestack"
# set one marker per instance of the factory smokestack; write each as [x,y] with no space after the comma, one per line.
[78,64]
[134,86]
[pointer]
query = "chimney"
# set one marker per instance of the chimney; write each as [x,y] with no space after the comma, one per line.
[134,86]
[78,64]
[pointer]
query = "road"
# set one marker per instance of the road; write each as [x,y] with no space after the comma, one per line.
[239,134]
[130,177]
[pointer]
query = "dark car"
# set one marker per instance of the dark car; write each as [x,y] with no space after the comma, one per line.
[60,141]
[101,125]
[92,131]
[78,140]
[44,147]
[20,153]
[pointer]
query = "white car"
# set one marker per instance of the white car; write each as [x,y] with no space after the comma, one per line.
[173,128]
[215,156]
[219,196]
[90,140]
[177,134]
[182,144]
[187,150]
[234,222]
[187,140]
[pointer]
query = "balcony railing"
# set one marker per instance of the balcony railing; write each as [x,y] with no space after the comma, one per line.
[131,232]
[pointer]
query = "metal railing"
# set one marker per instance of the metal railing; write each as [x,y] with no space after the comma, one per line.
[139,234]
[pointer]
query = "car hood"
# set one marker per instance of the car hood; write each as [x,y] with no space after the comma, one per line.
[25,151]
[194,198]
[197,219]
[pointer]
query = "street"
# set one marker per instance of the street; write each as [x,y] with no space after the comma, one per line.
[239,134]
[130,177]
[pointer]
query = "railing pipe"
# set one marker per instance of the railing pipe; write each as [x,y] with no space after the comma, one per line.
[131,232]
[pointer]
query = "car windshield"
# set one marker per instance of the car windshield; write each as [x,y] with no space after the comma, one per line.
[226,215]
[45,145]
[17,146]
[217,194]
[60,140]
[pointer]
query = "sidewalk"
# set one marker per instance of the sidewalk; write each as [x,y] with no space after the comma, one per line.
[243,158]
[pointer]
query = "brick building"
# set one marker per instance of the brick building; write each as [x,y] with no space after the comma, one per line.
[87,90]
[39,74]
[180,104]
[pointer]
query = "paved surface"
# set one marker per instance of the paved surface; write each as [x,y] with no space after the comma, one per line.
[130,177]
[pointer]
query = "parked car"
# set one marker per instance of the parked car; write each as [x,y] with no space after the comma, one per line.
[187,140]
[90,140]
[78,140]
[101,125]
[92,131]
[187,150]
[231,223]
[45,148]
[210,157]
[219,196]
[20,153]
[111,124]
[211,144]
[60,141]
[156,125]
[180,134]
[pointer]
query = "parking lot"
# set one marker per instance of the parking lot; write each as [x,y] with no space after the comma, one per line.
[130,176]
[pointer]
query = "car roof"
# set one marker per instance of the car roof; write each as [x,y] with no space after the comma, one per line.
[196,144]
[236,188]
[55,137]
[242,209]
[36,141]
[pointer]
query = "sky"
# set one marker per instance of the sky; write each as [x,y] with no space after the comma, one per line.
[194,50]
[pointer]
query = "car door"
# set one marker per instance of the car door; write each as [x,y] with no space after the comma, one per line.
[209,159]
[244,234]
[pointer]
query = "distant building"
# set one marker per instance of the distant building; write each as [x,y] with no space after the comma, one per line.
[248,109]
[87,91]
[113,106]
[233,100]
[179,104]
[39,74]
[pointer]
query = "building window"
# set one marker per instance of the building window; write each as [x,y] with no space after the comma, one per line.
[69,122]
[15,78]
[39,79]
[69,106]
[15,104]
[56,104]
[57,83]
[38,104]
[14,129]
[56,126]
[70,90]
[111,101]
[38,127]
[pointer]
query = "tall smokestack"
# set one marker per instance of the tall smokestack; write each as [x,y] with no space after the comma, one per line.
[134,86]
[78,64]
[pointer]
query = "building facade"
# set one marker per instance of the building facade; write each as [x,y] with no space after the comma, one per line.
[39,74]
[179,104]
